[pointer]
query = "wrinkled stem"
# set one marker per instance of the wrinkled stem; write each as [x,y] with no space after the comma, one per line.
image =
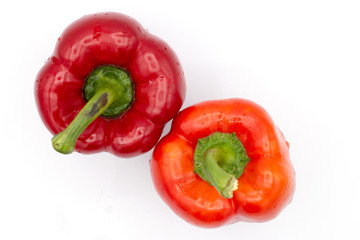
[65,141]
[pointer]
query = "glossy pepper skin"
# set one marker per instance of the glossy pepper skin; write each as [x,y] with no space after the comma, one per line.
[266,185]
[116,40]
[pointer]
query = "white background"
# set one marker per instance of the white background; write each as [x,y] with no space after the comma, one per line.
[300,60]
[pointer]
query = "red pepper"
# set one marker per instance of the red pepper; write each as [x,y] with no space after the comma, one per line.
[222,162]
[107,64]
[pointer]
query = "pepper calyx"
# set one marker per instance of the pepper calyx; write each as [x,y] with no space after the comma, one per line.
[220,159]
[114,78]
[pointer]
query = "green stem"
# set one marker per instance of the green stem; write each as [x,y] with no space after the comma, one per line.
[65,141]
[109,92]
[223,181]
[220,160]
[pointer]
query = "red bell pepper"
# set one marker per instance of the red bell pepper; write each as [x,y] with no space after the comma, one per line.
[107,64]
[222,162]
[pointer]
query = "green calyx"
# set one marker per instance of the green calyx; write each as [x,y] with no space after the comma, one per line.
[116,79]
[109,92]
[220,159]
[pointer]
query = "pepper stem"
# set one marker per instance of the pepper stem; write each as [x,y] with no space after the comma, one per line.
[224,182]
[109,92]
[220,159]
[65,141]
